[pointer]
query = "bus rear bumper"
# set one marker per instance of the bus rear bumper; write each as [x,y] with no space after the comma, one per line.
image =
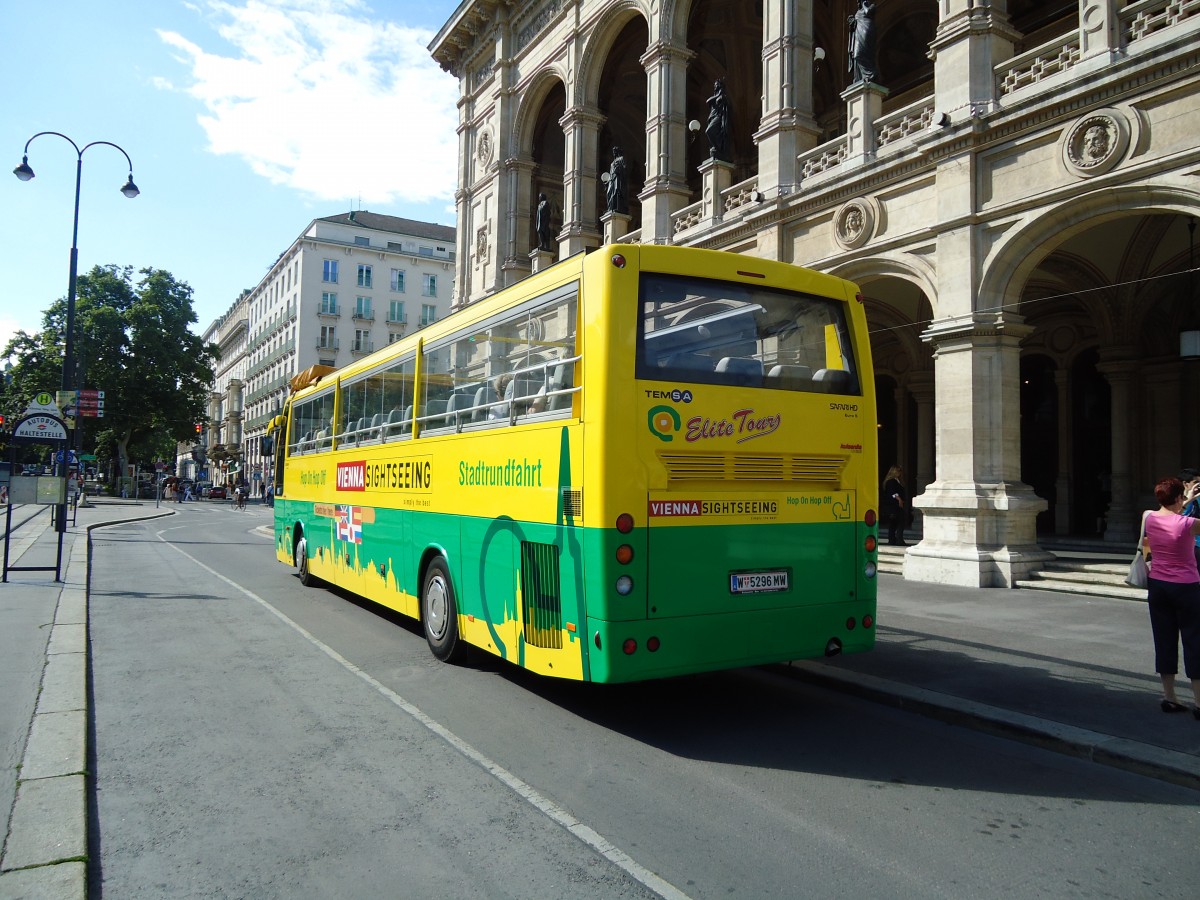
[660,648]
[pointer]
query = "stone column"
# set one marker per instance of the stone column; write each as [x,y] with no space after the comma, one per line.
[581,132]
[1062,482]
[787,127]
[1123,522]
[979,519]
[665,190]
[921,388]
[541,259]
[1098,33]
[716,177]
[616,226]
[971,40]
[519,174]
[864,105]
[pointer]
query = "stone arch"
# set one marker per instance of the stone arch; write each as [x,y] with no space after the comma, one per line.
[905,266]
[599,42]
[540,86]
[1012,261]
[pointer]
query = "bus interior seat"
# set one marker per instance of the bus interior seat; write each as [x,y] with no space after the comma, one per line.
[691,362]
[558,382]
[458,400]
[744,369]
[322,440]
[435,411]
[374,427]
[833,381]
[484,397]
[394,424]
[523,391]
[792,376]
[406,420]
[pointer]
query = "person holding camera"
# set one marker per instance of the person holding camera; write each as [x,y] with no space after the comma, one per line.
[1173,589]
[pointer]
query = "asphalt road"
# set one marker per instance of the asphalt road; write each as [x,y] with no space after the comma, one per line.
[257,739]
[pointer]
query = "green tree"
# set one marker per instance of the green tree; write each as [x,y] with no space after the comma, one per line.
[132,342]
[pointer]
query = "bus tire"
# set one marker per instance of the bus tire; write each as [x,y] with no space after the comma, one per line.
[439,614]
[307,578]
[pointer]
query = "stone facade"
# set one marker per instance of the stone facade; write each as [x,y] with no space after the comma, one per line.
[1014,199]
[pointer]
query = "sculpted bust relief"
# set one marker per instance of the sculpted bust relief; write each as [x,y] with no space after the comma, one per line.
[1096,143]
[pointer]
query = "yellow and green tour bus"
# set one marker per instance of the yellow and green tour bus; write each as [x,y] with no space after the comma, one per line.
[640,462]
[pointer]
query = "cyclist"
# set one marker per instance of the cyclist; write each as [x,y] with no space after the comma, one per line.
[239,494]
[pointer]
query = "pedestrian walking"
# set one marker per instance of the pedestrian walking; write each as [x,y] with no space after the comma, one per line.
[1173,590]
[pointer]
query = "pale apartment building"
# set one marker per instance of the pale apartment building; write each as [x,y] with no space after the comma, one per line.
[349,284]
[1012,183]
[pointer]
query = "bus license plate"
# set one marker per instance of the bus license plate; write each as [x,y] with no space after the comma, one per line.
[757,582]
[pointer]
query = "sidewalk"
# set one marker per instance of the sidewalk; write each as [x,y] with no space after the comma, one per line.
[1066,672]
[44,713]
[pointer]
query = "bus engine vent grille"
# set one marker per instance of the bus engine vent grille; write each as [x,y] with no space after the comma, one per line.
[572,503]
[541,601]
[687,467]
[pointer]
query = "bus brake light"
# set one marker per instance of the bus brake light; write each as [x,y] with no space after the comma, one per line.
[624,523]
[630,646]
[869,518]
[618,260]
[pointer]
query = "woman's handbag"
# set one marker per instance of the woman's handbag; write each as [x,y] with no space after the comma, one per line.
[1137,568]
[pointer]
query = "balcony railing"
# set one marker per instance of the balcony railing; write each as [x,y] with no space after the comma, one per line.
[365,315]
[329,311]
[327,344]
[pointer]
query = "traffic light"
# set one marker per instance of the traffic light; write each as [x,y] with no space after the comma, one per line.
[199,428]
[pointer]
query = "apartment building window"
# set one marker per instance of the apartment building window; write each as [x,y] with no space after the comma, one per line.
[396,311]
[398,280]
[425,251]
[329,271]
[362,308]
[362,241]
[430,285]
[393,337]
[362,341]
[364,275]
[428,314]
[329,305]
[328,338]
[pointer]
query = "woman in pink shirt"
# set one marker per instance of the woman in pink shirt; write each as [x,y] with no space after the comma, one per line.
[1174,590]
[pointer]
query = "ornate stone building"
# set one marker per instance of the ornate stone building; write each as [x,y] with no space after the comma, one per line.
[1014,196]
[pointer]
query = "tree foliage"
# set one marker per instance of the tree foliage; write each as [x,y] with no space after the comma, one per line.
[133,343]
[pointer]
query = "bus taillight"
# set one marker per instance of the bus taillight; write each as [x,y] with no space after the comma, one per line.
[618,260]
[624,554]
[652,644]
[868,620]
[630,646]
[624,523]
[869,519]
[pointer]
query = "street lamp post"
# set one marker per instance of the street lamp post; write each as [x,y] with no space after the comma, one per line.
[130,190]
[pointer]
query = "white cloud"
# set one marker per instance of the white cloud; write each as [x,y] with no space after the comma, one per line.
[323,99]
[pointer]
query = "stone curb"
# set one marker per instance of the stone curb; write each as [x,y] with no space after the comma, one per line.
[46,848]
[1121,753]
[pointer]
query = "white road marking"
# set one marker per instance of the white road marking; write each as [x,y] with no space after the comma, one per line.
[526,792]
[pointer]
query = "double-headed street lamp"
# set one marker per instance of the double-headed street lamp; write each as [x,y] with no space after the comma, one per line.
[130,190]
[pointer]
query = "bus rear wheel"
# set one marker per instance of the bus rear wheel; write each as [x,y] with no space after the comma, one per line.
[439,614]
[307,578]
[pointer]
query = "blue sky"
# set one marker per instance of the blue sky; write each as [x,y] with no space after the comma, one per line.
[244,120]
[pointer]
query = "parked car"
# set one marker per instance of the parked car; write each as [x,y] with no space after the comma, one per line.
[217,492]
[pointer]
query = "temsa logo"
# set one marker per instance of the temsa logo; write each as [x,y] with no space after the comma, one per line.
[352,476]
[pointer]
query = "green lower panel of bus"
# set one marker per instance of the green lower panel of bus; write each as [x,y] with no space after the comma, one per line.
[520,587]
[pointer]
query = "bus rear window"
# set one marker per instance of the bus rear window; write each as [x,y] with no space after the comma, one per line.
[704,331]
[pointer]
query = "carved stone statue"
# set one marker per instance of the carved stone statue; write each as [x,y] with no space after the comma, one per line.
[617,189]
[862,43]
[717,129]
[541,223]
